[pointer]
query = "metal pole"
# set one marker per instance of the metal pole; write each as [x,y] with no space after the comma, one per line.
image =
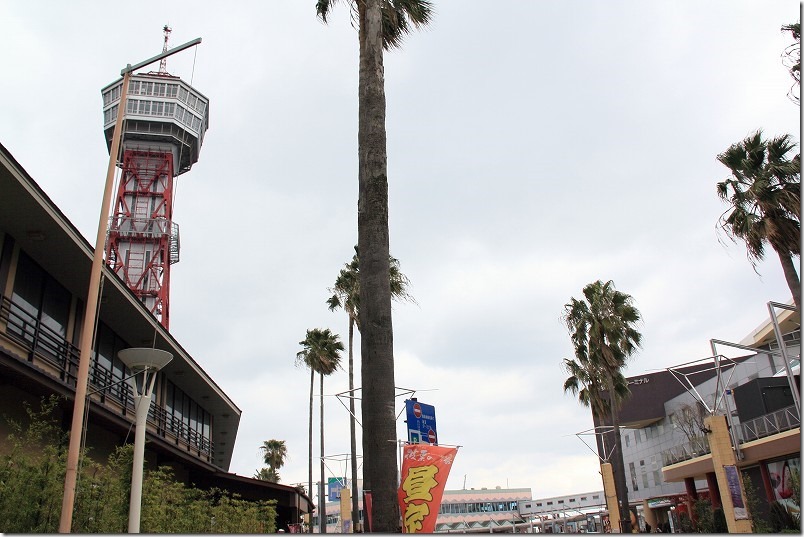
[142,403]
[88,328]
[726,391]
[145,362]
[783,348]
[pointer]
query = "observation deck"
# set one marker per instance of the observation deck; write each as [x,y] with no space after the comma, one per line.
[163,113]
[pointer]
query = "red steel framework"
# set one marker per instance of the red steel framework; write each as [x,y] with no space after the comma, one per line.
[143,241]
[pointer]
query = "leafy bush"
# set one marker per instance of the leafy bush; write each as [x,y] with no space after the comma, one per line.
[758,524]
[32,486]
[709,520]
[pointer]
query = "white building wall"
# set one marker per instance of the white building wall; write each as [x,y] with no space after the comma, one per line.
[643,447]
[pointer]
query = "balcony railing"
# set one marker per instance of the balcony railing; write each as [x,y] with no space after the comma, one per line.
[776,422]
[770,424]
[41,342]
[52,354]
[696,447]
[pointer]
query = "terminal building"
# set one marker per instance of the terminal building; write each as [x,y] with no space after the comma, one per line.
[483,510]
[667,458]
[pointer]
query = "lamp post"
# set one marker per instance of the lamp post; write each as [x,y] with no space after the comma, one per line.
[144,364]
[91,308]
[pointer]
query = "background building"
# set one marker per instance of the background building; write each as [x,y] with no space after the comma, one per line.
[665,448]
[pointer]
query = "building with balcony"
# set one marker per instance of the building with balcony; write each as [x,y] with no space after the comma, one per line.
[668,464]
[44,277]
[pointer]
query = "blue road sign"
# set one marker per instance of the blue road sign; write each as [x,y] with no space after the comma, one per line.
[334,485]
[421,422]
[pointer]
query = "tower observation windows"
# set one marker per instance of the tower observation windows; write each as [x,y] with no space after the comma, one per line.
[112,95]
[144,108]
[148,88]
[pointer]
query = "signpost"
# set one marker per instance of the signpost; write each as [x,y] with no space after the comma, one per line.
[421,422]
[334,487]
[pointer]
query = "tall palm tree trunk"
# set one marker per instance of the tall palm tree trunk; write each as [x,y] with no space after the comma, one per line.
[352,429]
[379,420]
[322,504]
[619,466]
[791,277]
[310,437]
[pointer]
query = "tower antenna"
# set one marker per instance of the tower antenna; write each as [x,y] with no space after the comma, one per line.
[163,62]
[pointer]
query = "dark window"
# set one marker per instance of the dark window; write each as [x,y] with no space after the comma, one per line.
[109,374]
[40,308]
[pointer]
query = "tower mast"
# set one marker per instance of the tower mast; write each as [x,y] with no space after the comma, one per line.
[163,62]
[164,125]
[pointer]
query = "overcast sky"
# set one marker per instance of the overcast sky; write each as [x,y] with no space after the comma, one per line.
[533,147]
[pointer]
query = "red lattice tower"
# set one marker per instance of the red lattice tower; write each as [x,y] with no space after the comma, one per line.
[163,129]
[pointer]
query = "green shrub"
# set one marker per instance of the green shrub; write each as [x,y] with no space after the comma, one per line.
[32,486]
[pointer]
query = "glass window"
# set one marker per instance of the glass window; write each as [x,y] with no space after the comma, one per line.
[39,301]
[632,470]
[26,297]
[56,308]
[109,372]
[169,399]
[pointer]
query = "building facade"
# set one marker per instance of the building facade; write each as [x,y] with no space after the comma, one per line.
[667,457]
[44,277]
[482,510]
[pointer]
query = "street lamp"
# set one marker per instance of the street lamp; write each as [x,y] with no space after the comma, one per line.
[91,304]
[144,364]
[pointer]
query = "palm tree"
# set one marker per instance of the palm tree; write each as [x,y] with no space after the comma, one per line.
[589,383]
[381,25]
[764,197]
[603,334]
[267,474]
[321,353]
[274,453]
[791,58]
[346,296]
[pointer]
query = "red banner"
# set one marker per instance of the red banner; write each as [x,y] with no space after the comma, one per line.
[425,469]
[367,507]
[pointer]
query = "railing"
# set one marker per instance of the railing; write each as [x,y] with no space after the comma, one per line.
[40,342]
[49,350]
[176,430]
[696,447]
[770,424]
[776,422]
